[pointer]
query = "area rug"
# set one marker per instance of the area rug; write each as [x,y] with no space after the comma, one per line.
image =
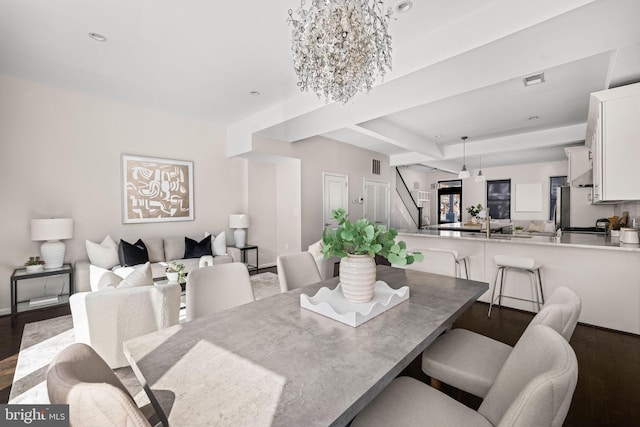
[42,341]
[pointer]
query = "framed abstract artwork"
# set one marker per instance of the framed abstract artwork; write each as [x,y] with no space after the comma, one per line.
[156,190]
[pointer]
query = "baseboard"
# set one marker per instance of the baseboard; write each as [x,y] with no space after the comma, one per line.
[5,311]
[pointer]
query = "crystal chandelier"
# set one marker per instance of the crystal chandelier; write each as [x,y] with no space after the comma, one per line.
[339,46]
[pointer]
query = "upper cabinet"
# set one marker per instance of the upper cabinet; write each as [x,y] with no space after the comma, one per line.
[580,166]
[613,134]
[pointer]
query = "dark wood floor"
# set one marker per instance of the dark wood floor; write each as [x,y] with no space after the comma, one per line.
[607,394]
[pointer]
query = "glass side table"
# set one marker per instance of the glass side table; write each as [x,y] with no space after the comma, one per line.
[243,257]
[18,306]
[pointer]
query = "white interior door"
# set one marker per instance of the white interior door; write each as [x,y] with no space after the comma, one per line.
[376,201]
[336,195]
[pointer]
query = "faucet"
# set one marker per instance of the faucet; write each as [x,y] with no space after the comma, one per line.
[488,220]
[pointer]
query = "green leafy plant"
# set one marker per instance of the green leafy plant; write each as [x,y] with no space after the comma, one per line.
[174,267]
[475,210]
[34,260]
[365,238]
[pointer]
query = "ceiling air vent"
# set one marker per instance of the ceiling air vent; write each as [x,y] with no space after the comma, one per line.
[375,166]
[536,79]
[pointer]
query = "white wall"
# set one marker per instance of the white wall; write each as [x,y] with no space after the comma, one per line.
[262,209]
[61,158]
[318,155]
[475,192]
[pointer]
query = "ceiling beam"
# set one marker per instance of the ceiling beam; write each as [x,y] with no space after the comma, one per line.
[400,137]
[304,116]
[529,140]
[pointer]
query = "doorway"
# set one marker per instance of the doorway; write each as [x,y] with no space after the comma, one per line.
[335,190]
[376,202]
[450,201]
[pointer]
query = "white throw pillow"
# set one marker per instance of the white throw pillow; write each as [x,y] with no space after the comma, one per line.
[549,226]
[109,280]
[220,244]
[140,276]
[103,254]
[95,276]
[124,271]
[537,228]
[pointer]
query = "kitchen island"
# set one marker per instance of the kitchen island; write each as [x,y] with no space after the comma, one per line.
[601,269]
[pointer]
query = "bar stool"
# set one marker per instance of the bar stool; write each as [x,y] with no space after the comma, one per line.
[457,260]
[519,263]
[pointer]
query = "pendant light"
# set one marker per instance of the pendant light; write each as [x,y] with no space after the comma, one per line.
[480,176]
[464,173]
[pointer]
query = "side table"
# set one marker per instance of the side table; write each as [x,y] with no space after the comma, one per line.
[18,306]
[243,257]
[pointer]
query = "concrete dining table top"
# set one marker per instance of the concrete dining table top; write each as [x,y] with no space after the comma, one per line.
[272,362]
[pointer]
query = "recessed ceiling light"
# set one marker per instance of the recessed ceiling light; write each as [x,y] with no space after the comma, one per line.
[98,37]
[534,118]
[535,79]
[254,93]
[404,6]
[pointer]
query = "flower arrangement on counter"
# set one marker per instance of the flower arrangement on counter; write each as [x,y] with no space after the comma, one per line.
[475,210]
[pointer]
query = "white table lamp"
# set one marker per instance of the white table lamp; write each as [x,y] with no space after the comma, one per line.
[52,230]
[240,223]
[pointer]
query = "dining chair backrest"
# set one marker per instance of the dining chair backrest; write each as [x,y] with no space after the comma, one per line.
[560,312]
[80,378]
[536,384]
[217,288]
[297,270]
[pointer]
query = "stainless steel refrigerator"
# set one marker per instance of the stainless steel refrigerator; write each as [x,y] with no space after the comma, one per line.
[563,207]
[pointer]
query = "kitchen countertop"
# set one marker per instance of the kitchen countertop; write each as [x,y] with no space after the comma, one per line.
[457,226]
[576,240]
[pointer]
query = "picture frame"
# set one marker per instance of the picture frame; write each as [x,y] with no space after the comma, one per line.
[156,189]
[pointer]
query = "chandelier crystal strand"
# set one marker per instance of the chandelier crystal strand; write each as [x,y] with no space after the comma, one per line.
[340,46]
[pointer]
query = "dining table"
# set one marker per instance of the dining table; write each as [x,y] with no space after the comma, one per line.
[273,363]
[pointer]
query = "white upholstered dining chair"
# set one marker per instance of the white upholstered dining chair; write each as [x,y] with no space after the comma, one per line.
[534,387]
[216,288]
[106,319]
[297,270]
[80,378]
[471,362]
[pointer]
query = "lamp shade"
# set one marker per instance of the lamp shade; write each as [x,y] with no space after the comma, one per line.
[238,221]
[51,229]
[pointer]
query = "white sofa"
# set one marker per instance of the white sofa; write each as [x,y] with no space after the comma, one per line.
[161,251]
[106,319]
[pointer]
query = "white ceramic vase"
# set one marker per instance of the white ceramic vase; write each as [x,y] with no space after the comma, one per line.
[357,278]
[173,277]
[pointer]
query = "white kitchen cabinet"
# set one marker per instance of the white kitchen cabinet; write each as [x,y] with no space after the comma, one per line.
[580,166]
[613,132]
